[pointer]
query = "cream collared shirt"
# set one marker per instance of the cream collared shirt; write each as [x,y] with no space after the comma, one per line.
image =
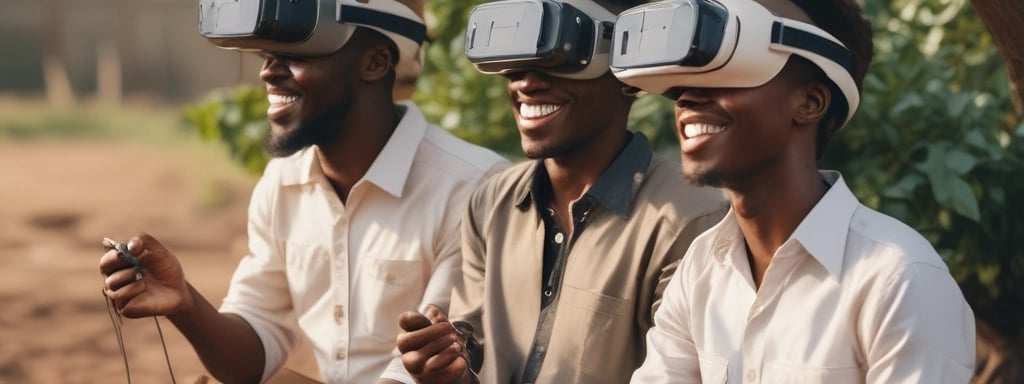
[342,273]
[853,296]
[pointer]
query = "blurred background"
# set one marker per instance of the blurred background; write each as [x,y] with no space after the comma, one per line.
[117,117]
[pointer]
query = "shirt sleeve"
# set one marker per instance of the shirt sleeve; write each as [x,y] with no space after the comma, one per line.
[259,288]
[671,354]
[468,294]
[922,331]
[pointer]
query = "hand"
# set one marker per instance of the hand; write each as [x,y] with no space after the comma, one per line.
[431,347]
[161,291]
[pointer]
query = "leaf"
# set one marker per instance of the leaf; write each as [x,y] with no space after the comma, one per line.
[960,162]
[905,187]
[910,100]
[962,199]
[950,190]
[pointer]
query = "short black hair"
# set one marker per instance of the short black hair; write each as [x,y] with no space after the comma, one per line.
[844,20]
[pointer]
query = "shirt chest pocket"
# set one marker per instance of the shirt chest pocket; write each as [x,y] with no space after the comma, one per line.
[388,288]
[804,374]
[308,269]
[394,272]
[604,323]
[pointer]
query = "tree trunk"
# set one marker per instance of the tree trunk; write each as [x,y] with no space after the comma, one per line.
[55,73]
[1003,19]
[108,73]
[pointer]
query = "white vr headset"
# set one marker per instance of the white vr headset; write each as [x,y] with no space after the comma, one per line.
[568,39]
[307,27]
[723,43]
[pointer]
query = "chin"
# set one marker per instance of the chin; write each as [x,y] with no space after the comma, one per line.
[703,178]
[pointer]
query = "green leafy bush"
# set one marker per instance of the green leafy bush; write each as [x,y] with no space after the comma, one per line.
[236,118]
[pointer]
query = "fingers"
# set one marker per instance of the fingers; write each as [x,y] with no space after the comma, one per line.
[434,347]
[143,246]
[118,279]
[415,340]
[125,293]
[412,321]
[435,314]
[110,263]
[448,359]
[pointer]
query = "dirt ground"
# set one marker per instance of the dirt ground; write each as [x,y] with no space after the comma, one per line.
[57,201]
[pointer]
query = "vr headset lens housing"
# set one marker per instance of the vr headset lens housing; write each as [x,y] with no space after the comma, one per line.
[564,38]
[726,43]
[278,20]
[306,27]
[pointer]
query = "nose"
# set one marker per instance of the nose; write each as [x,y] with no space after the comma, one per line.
[691,97]
[528,82]
[274,66]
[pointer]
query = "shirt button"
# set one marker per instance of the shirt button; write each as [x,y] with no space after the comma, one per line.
[339,355]
[559,237]
[339,313]
[751,375]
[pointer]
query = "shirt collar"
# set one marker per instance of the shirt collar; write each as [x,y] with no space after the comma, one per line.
[824,230]
[614,189]
[822,233]
[389,170]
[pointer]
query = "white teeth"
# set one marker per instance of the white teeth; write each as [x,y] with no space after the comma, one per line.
[697,129]
[281,99]
[529,111]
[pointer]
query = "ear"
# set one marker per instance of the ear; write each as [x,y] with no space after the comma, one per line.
[377,63]
[816,100]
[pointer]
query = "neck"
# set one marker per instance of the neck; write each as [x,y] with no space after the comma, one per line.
[573,174]
[770,210]
[362,135]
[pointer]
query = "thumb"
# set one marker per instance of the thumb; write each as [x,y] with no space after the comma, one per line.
[435,314]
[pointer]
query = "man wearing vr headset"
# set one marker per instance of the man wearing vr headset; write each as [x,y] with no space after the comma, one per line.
[355,220]
[800,283]
[564,257]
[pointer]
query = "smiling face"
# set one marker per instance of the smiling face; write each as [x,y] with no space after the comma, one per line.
[732,135]
[308,97]
[557,117]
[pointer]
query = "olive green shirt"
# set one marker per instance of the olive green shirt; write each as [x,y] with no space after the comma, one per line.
[635,224]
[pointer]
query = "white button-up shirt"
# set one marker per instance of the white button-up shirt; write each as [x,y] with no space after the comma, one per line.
[853,296]
[343,272]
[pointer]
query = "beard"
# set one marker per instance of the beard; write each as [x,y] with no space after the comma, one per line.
[317,131]
[704,179]
[545,152]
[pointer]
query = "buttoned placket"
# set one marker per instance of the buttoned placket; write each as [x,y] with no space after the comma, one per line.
[580,212]
[339,287]
[776,277]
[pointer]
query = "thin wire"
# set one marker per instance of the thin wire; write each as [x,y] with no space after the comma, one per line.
[117,321]
[115,318]
[167,357]
[122,252]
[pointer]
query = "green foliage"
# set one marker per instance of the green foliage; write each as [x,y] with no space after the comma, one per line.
[237,118]
[935,144]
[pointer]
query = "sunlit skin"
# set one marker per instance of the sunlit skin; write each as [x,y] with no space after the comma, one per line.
[303,110]
[339,102]
[314,101]
[761,151]
[577,126]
